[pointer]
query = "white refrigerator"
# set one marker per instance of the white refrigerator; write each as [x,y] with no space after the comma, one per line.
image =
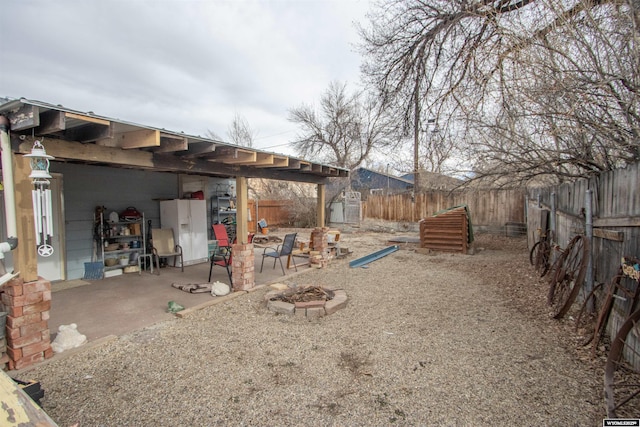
[188,219]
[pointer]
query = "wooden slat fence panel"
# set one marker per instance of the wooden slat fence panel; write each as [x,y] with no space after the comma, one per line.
[616,210]
[488,208]
[275,212]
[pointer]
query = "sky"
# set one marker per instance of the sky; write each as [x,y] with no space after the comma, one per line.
[183,65]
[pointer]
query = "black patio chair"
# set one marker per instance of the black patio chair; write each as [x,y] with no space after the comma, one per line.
[282,250]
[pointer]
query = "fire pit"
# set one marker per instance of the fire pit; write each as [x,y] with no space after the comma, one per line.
[308,301]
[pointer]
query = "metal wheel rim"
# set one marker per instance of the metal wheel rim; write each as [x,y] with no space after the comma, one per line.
[618,391]
[569,277]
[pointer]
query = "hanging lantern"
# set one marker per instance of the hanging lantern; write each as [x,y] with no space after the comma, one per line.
[41,195]
[39,162]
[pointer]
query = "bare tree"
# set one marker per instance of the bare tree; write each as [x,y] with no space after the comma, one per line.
[240,133]
[528,88]
[346,129]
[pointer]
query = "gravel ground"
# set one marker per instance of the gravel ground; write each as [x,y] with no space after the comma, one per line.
[437,339]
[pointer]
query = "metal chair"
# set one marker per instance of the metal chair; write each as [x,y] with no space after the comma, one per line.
[164,246]
[222,256]
[282,250]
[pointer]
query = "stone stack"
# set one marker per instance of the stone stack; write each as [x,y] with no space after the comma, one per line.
[242,267]
[320,240]
[28,337]
[319,255]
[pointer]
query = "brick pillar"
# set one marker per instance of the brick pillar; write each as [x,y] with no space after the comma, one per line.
[28,337]
[320,240]
[320,245]
[243,267]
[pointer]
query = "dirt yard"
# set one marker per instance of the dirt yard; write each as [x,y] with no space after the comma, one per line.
[437,339]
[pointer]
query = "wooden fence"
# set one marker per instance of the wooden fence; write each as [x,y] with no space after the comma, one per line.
[490,209]
[275,212]
[615,204]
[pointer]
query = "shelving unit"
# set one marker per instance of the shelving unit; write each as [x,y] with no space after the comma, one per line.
[223,209]
[123,235]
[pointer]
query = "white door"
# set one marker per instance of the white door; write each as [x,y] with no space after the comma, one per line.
[52,267]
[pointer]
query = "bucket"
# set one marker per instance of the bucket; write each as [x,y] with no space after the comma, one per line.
[264,230]
[3,323]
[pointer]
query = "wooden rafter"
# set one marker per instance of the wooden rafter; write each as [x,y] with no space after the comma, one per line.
[133,139]
[278,162]
[262,159]
[233,156]
[171,143]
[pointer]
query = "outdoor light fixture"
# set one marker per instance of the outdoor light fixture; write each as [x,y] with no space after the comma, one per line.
[41,195]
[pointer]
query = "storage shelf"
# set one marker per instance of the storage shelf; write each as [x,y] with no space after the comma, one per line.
[121,251]
[123,238]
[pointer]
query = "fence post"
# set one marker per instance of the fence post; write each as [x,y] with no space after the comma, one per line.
[552,217]
[589,234]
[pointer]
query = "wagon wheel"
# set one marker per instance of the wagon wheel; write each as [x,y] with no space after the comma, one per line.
[621,376]
[587,317]
[569,276]
[540,255]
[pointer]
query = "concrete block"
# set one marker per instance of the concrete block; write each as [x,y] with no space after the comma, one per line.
[281,307]
[315,312]
[332,306]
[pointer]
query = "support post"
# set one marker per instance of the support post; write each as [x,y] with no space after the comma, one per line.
[320,219]
[25,256]
[589,235]
[242,266]
[242,196]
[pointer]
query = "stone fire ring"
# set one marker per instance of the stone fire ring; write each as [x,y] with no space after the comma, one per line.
[308,309]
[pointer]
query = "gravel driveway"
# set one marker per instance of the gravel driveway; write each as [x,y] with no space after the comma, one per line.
[424,340]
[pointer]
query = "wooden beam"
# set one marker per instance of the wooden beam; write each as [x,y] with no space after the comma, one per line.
[234,156]
[328,170]
[88,119]
[262,159]
[320,214]
[92,153]
[88,133]
[162,162]
[25,256]
[199,149]
[242,196]
[628,221]
[138,139]
[51,121]
[618,236]
[278,162]
[172,143]
[18,408]
[299,165]
[25,117]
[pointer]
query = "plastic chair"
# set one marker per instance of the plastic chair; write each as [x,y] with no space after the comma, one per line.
[282,250]
[164,246]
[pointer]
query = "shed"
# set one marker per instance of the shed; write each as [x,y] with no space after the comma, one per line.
[449,230]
